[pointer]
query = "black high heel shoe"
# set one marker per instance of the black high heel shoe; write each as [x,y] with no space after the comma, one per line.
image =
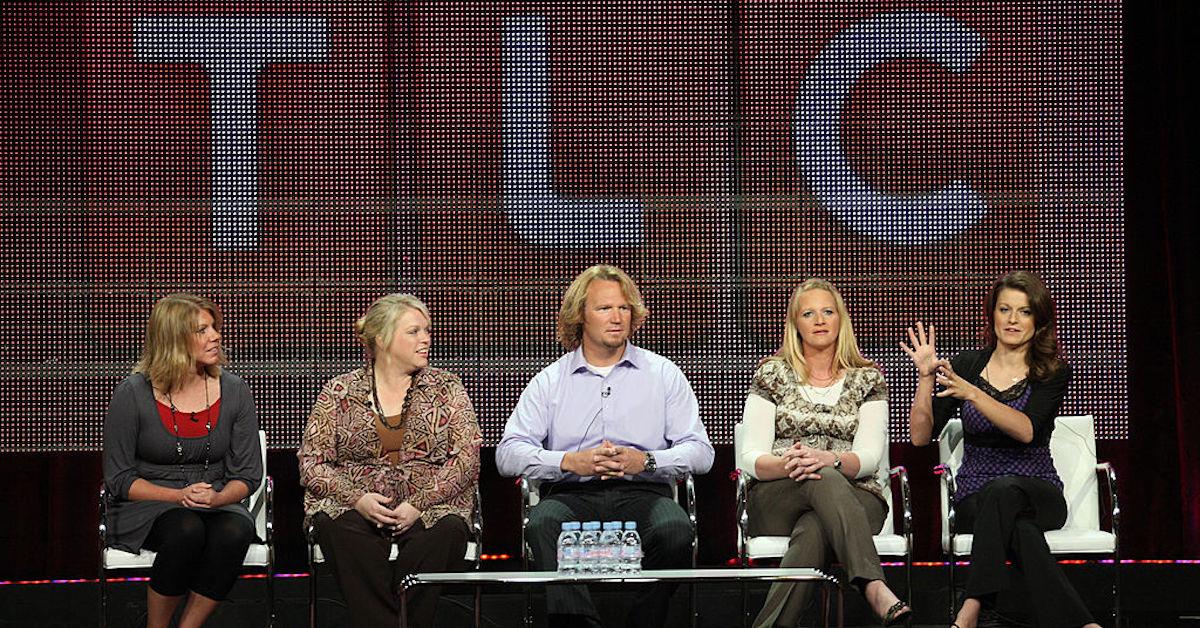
[897,614]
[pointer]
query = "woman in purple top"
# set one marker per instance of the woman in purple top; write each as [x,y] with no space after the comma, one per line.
[1009,493]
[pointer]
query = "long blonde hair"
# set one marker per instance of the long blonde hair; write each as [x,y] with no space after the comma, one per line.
[570,315]
[791,350]
[167,352]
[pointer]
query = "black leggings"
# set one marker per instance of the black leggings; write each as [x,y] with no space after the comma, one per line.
[198,550]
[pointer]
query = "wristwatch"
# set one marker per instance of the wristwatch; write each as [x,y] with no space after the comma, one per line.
[837,461]
[650,464]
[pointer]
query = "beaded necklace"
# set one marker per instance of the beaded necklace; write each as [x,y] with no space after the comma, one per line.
[378,407]
[207,429]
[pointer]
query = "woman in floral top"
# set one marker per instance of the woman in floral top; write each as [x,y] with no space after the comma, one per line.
[815,429]
[391,455]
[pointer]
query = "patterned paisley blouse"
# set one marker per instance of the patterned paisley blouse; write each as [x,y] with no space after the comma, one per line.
[828,427]
[340,457]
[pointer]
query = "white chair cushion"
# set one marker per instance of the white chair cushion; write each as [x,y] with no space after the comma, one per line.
[774,546]
[256,556]
[1073,541]
[890,545]
[766,546]
[1076,541]
[472,553]
[120,559]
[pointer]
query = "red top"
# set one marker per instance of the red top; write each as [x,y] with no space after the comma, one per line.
[191,424]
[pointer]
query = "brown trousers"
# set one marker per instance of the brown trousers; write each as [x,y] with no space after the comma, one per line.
[825,518]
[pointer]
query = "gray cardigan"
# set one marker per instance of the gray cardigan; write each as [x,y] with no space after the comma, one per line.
[138,445]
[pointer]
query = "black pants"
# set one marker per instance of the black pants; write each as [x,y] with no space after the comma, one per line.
[663,525]
[1008,518]
[198,550]
[358,554]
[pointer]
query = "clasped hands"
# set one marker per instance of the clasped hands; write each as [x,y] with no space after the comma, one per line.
[605,461]
[374,508]
[199,495]
[802,462]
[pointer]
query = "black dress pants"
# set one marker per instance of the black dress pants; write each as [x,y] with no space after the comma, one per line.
[198,550]
[663,525]
[1008,518]
[358,552]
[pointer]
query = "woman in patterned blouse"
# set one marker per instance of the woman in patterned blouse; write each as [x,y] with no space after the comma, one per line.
[1008,492]
[391,456]
[814,431]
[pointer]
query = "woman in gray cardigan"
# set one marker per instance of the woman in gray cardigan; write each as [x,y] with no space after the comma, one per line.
[181,457]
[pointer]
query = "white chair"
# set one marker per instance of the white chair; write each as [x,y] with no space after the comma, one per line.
[530,496]
[1073,447]
[887,542]
[474,553]
[259,555]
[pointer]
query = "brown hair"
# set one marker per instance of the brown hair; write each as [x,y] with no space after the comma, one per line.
[167,352]
[379,321]
[570,315]
[791,350]
[1042,357]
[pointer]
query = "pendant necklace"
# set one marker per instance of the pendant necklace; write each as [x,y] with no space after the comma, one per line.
[207,429]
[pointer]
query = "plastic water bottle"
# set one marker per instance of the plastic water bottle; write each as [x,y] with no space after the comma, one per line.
[589,550]
[568,548]
[631,550]
[610,547]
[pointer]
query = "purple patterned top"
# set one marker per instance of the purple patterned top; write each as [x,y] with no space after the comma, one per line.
[982,464]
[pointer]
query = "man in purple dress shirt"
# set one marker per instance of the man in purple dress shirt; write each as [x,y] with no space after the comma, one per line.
[606,429]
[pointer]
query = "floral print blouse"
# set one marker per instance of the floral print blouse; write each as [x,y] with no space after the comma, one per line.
[828,427]
[341,458]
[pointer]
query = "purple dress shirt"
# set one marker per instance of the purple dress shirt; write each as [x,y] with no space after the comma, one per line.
[644,402]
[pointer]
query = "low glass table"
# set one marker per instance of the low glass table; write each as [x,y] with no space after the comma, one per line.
[479,579]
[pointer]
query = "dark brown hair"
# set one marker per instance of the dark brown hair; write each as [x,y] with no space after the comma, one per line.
[1042,357]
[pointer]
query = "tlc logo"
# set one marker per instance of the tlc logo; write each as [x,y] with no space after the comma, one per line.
[234,51]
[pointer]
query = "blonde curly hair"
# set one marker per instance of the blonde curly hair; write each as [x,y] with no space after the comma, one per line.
[570,315]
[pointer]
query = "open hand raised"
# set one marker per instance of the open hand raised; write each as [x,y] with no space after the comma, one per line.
[923,350]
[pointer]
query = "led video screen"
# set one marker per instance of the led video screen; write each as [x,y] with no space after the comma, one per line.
[294,161]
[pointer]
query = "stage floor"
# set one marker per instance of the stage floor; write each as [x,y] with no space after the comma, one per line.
[1153,595]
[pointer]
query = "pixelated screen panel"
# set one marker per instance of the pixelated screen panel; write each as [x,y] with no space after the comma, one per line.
[294,161]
